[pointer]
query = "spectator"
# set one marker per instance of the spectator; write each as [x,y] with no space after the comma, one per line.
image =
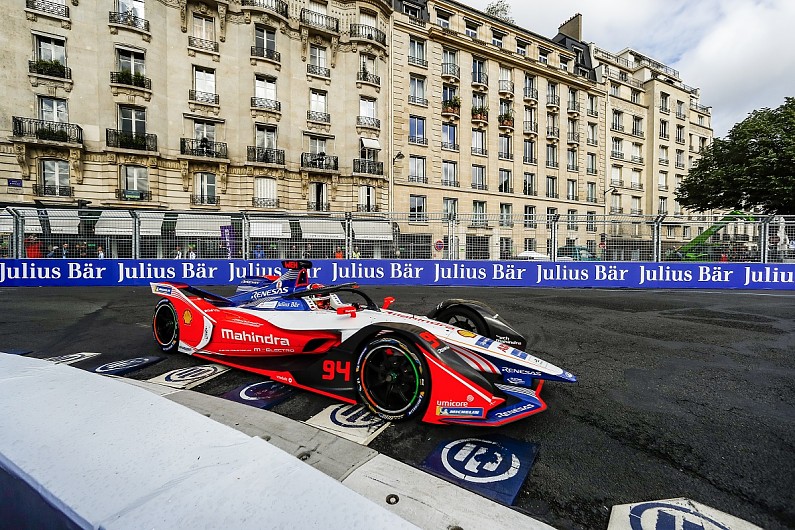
[308,251]
[65,250]
[100,252]
[54,252]
[356,254]
[258,252]
[33,247]
[338,253]
[178,253]
[191,252]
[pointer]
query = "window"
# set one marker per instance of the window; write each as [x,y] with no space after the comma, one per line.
[471,30]
[571,190]
[479,71]
[506,108]
[590,221]
[450,136]
[680,109]
[367,202]
[662,180]
[593,105]
[317,145]
[521,47]
[318,7]
[618,148]
[134,179]
[264,39]
[417,129]
[204,84]
[318,197]
[543,56]
[317,61]
[592,139]
[417,208]
[571,160]
[506,214]
[449,173]
[635,97]
[496,38]
[637,126]
[529,152]
[367,64]
[203,129]
[479,178]
[664,129]
[132,62]
[478,142]
[663,155]
[590,191]
[55,177]
[367,107]
[590,163]
[265,192]
[449,208]
[564,64]
[552,90]
[449,57]
[685,232]
[265,87]
[417,169]
[663,205]
[318,101]
[478,101]
[443,19]
[417,52]
[132,120]
[552,187]
[615,176]
[635,180]
[552,155]
[680,159]
[417,90]
[615,89]
[530,218]
[265,136]
[571,220]
[680,133]
[618,121]
[449,93]
[552,213]
[53,109]
[504,147]
[505,185]
[204,188]
[203,28]
[701,120]
[51,49]
[136,7]
[664,102]
[530,184]
[479,213]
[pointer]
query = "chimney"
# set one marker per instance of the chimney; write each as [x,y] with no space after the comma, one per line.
[572,28]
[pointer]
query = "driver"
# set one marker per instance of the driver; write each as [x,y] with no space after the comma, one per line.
[322,301]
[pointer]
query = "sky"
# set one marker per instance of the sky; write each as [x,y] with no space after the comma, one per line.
[740,53]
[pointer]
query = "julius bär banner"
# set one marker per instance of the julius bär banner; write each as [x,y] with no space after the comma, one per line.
[672,275]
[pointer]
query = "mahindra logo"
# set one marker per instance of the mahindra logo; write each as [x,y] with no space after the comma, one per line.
[244,336]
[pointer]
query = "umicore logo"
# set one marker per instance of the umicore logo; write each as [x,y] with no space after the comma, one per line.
[244,336]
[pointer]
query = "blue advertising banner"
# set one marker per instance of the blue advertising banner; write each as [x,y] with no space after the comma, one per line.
[643,275]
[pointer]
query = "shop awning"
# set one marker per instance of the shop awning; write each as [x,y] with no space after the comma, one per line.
[275,228]
[193,225]
[372,230]
[32,223]
[64,222]
[369,143]
[120,223]
[321,229]
[6,223]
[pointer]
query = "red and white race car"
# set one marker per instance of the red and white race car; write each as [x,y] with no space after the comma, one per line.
[460,364]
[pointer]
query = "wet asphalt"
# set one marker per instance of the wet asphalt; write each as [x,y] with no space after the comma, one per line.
[680,393]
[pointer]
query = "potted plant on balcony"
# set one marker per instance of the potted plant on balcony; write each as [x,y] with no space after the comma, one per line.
[452,105]
[125,77]
[506,119]
[480,113]
[55,135]
[52,68]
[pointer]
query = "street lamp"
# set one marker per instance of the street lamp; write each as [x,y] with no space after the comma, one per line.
[613,191]
[398,156]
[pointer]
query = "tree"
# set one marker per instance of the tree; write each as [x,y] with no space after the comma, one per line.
[500,9]
[753,167]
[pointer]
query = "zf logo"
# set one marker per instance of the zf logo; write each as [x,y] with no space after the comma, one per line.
[480,461]
[263,390]
[668,516]
[355,417]
[192,374]
[71,358]
[122,365]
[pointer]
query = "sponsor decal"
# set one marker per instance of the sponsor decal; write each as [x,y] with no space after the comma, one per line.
[355,417]
[71,358]
[514,380]
[126,365]
[484,342]
[510,370]
[270,292]
[263,395]
[286,379]
[352,422]
[494,466]
[163,289]
[470,399]
[245,336]
[187,317]
[288,304]
[517,410]
[674,514]
[466,333]
[472,412]
[190,377]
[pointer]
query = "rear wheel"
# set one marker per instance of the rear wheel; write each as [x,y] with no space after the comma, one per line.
[464,318]
[165,326]
[392,378]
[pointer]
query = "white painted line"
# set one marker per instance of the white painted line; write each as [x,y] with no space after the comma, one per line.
[673,513]
[430,502]
[352,422]
[185,378]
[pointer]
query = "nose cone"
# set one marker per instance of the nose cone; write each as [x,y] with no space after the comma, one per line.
[568,376]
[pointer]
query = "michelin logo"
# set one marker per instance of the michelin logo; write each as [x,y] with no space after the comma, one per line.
[475,412]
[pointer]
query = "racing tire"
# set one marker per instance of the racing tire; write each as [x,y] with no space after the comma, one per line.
[392,378]
[464,318]
[165,326]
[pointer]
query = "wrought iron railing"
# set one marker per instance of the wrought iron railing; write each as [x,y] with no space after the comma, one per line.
[368,32]
[277,6]
[368,121]
[363,75]
[126,18]
[130,140]
[371,167]
[267,104]
[531,127]
[48,190]
[212,200]
[506,86]
[203,97]
[314,69]
[133,195]
[323,117]
[316,206]
[319,20]
[50,68]
[553,100]
[480,78]
[418,140]
[419,61]
[319,161]
[553,132]
[418,100]
[367,208]
[202,147]
[52,8]
[451,70]
[126,77]
[263,202]
[531,93]
[47,130]
[266,53]
[203,44]
[265,154]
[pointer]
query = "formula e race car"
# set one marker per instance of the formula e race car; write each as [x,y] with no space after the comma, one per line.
[460,364]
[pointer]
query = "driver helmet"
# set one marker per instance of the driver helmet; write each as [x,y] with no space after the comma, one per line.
[322,301]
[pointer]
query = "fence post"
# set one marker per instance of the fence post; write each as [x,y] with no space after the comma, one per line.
[656,236]
[136,235]
[17,235]
[553,235]
[348,234]
[245,237]
[764,238]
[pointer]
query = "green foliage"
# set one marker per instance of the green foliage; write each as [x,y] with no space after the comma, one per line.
[454,102]
[500,9]
[753,167]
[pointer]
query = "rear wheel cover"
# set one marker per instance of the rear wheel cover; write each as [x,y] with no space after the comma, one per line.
[165,326]
[464,318]
[392,379]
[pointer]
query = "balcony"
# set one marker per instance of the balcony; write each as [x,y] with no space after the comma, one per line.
[449,146]
[505,121]
[480,116]
[264,202]
[275,6]
[361,31]
[133,195]
[638,133]
[49,68]
[267,155]
[679,165]
[504,188]
[531,95]
[530,127]
[451,71]
[314,206]
[320,21]
[320,71]
[573,138]
[46,190]
[591,171]
[422,179]
[636,211]
[616,209]
[617,183]
[664,136]
[418,61]
[418,140]
[636,186]
[572,167]
[593,113]
[530,160]
[591,141]
[130,140]
[51,8]
[321,117]
[128,78]
[202,44]
[418,101]
[266,53]
[266,104]
[320,161]
[367,77]
[681,115]
[505,155]
[126,18]
[573,107]
[368,121]
[205,200]
[370,167]
[451,108]
[530,191]
[617,154]
[616,127]
[481,151]
[680,140]
[204,148]
[591,199]
[480,186]
[480,80]
[663,161]
[450,183]
[553,164]
[367,208]
[207,98]
[52,131]
[552,194]
[553,102]
[665,109]
[553,132]
[506,88]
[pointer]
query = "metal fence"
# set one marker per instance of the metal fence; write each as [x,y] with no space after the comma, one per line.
[91,233]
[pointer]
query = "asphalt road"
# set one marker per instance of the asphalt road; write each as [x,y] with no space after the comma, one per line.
[681,393]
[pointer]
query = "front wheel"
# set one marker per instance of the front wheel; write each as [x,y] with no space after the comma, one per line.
[165,326]
[392,378]
[464,318]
